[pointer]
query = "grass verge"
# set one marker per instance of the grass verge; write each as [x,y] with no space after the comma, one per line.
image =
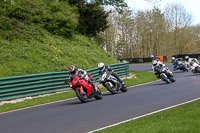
[141,77]
[181,119]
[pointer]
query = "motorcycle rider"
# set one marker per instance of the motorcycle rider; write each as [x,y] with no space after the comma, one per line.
[73,71]
[155,61]
[157,65]
[154,58]
[189,60]
[103,68]
[175,63]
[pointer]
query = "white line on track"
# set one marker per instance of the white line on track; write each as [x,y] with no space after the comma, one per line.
[144,115]
[65,100]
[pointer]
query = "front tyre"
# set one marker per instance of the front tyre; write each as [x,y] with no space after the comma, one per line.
[164,78]
[98,95]
[111,88]
[82,97]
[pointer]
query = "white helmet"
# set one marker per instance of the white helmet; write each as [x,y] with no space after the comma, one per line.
[154,62]
[186,57]
[173,58]
[101,66]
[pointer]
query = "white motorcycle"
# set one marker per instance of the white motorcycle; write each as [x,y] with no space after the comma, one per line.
[111,83]
[194,67]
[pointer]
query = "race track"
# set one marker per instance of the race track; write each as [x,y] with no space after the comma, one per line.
[72,116]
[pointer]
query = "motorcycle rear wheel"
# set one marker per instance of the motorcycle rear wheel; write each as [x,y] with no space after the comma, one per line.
[98,95]
[82,97]
[198,69]
[124,88]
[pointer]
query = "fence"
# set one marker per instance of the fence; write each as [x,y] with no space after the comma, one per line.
[141,60]
[191,55]
[37,84]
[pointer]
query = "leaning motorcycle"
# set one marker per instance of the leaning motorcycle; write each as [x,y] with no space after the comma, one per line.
[194,67]
[181,66]
[111,83]
[165,74]
[83,89]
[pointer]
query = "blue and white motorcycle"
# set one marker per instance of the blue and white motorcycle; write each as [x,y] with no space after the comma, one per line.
[111,83]
[165,74]
[180,66]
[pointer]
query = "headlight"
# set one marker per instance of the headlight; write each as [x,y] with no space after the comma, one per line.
[70,85]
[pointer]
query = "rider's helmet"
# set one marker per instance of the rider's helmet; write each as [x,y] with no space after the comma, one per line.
[72,69]
[186,58]
[173,58]
[154,62]
[179,59]
[101,66]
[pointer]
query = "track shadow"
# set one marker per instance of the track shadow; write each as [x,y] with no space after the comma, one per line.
[178,72]
[78,102]
[192,75]
[107,94]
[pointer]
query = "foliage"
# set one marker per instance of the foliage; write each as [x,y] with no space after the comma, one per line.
[137,34]
[93,18]
[29,49]
[57,17]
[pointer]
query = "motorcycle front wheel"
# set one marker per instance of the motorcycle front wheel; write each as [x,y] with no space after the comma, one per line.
[82,97]
[164,78]
[111,88]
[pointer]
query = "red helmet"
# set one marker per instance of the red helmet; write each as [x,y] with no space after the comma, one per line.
[72,69]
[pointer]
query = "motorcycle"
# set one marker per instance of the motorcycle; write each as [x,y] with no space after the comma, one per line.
[194,67]
[83,89]
[111,83]
[181,66]
[165,74]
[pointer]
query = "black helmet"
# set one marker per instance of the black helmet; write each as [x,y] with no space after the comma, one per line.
[72,69]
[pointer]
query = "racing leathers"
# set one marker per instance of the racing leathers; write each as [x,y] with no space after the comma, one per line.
[110,71]
[157,69]
[81,73]
[188,61]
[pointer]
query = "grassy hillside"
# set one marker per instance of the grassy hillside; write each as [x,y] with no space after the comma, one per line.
[29,48]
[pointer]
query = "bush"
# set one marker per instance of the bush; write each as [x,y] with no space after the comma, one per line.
[57,17]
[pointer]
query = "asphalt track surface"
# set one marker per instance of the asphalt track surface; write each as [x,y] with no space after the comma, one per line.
[72,116]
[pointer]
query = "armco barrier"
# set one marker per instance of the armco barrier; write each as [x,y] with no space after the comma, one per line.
[141,60]
[37,84]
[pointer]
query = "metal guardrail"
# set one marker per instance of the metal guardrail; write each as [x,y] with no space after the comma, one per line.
[37,84]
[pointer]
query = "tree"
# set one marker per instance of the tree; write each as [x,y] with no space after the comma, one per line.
[93,18]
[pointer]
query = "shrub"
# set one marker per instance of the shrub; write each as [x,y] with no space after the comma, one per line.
[57,17]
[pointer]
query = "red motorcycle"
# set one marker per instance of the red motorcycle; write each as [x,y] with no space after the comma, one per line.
[83,89]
